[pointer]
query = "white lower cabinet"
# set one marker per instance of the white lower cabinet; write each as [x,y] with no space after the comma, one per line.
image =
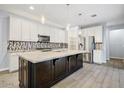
[98,56]
[13,62]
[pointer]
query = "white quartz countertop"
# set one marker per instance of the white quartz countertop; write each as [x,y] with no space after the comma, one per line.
[39,56]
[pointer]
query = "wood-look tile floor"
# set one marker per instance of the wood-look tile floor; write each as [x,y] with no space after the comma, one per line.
[94,76]
[115,63]
[90,76]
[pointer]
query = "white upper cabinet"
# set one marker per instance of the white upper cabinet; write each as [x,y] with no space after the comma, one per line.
[47,31]
[98,34]
[66,36]
[26,33]
[62,36]
[26,30]
[93,31]
[56,35]
[33,31]
[43,30]
[83,32]
[15,28]
[52,35]
[89,31]
[40,29]
[59,36]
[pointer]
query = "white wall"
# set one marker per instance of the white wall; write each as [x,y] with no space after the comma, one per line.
[117,43]
[105,43]
[4,31]
[108,29]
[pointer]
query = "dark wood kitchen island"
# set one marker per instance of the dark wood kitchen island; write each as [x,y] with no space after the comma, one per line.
[44,69]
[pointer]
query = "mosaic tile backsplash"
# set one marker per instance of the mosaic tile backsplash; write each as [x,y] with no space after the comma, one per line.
[15,46]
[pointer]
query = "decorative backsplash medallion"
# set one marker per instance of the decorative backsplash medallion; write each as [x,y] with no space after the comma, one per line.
[15,46]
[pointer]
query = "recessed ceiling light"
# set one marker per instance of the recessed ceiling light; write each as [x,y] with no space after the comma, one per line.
[79,14]
[94,15]
[68,4]
[31,7]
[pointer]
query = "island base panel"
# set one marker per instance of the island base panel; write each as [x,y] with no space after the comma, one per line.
[47,73]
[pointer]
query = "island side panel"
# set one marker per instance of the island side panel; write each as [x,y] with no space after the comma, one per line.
[24,73]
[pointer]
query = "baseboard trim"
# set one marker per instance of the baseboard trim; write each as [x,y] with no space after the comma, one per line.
[116,58]
[4,69]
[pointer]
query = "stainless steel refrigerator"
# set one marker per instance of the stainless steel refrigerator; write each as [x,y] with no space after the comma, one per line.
[89,47]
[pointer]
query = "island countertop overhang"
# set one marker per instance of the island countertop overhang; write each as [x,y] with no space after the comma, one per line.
[39,56]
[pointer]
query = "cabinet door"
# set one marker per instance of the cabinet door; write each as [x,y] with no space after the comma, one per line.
[62,36]
[52,35]
[66,36]
[72,63]
[79,60]
[92,31]
[85,32]
[13,62]
[60,67]
[98,34]
[15,28]
[56,36]
[44,73]
[97,57]
[34,31]
[40,29]
[25,30]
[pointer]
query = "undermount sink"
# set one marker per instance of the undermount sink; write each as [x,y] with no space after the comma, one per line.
[46,50]
[59,50]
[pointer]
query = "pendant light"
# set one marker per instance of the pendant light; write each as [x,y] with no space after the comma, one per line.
[80,19]
[43,19]
[68,24]
[68,27]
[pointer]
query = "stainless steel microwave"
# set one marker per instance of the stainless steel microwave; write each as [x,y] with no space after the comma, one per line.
[43,38]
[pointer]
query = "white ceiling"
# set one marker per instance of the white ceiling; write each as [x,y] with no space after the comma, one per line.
[61,14]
